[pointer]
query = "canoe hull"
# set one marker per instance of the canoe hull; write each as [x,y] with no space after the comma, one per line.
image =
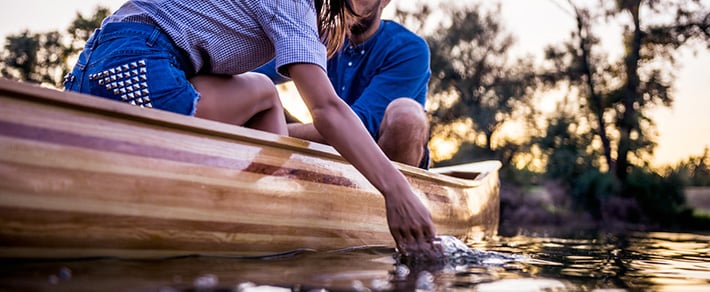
[84,177]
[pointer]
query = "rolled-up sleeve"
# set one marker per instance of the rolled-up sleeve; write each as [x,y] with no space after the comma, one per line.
[294,33]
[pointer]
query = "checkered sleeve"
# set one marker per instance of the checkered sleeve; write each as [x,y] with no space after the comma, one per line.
[294,33]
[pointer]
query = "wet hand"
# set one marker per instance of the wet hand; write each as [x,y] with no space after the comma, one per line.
[411,226]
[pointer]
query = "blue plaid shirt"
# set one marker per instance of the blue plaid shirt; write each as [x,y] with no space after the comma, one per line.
[233,36]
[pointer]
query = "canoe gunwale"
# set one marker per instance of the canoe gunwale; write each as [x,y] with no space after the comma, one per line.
[83,102]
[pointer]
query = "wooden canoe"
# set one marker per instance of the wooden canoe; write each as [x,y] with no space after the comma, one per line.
[82,177]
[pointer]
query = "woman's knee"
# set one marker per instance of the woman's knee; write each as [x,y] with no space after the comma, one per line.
[235,98]
[262,88]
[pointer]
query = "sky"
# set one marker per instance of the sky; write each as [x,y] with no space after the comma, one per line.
[684,129]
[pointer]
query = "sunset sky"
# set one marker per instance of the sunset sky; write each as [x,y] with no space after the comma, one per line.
[683,130]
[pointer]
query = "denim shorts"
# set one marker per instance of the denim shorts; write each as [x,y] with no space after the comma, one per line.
[135,63]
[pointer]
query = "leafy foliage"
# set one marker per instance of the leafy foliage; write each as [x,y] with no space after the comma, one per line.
[571,161]
[694,171]
[43,57]
[661,198]
[471,57]
[619,95]
[615,98]
[36,57]
[474,82]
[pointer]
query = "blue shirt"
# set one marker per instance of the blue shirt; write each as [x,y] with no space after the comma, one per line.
[233,37]
[393,63]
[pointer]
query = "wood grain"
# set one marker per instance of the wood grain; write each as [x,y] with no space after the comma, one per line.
[82,176]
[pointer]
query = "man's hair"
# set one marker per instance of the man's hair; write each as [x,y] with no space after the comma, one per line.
[332,26]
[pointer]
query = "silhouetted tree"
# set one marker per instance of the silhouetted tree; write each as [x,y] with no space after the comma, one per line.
[616,97]
[643,45]
[82,27]
[473,77]
[695,170]
[43,57]
[36,57]
[19,57]
[572,160]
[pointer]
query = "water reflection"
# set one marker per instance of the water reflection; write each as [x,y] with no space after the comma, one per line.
[605,262]
[639,261]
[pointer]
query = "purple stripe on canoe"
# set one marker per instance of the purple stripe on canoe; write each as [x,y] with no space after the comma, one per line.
[123,231]
[72,139]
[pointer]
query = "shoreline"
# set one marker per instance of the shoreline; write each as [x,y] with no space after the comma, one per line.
[546,210]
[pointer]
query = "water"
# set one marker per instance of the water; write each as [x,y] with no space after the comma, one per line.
[602,262]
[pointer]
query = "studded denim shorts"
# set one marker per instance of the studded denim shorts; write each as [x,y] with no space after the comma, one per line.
[135,63]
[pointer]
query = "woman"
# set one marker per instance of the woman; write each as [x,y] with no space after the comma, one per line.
[166,53]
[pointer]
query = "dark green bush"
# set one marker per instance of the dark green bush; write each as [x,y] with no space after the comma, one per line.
[589,188]
[661,198]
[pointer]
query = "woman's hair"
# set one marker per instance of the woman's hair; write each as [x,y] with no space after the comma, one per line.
[332,26]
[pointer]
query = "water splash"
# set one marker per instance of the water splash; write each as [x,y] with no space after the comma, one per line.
[456,253]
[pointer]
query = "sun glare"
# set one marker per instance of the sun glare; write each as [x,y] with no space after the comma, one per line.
[293,103]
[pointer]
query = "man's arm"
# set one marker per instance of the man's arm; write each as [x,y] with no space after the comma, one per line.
[305,131]
[297,130]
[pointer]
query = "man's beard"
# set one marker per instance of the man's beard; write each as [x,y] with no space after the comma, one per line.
[363,24]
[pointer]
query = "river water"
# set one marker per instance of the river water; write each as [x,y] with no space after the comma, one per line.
[649,261]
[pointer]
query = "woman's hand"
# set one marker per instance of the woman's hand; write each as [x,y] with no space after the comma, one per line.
[409,221]
[411,225]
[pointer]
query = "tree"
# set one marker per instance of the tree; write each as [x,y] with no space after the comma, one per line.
[695,170]
[614,100]
[18,57]
[43,57]
[35,57]
[82,27]
[617,96]
[571,160]
[474,81]
[645,44]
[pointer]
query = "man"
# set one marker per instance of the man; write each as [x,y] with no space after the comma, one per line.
[382,72]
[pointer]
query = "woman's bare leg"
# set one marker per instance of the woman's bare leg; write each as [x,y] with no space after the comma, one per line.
[248,99]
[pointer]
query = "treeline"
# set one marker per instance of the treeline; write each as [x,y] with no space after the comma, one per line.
[694,171]
[596,146]
[44,57]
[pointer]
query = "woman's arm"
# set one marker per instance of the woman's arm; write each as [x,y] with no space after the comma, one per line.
[409,221]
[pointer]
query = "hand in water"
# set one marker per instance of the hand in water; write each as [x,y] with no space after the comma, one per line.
[411,226]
